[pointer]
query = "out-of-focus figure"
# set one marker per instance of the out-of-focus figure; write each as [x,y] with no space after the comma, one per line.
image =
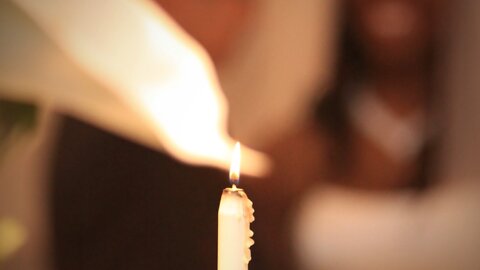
[415,220]
[381,118]
[374,130]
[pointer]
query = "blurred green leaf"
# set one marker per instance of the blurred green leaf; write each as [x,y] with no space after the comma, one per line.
[15,118]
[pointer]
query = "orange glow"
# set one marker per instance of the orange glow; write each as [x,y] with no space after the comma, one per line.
[235,165]
[162,85]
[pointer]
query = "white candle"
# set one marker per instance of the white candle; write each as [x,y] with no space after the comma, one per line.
[234,217]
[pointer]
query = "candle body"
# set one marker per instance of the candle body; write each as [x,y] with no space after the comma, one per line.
[234,235]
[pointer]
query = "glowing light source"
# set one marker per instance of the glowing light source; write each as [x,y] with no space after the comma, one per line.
[235,214]
[235,165]
[159,85]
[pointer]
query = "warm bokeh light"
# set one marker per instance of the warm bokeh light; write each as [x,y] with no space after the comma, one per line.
[235,165]
[161,86]
[13,236]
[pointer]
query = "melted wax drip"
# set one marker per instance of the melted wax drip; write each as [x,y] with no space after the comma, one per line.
[249,218]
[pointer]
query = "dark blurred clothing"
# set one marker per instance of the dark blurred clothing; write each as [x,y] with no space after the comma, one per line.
[118,205]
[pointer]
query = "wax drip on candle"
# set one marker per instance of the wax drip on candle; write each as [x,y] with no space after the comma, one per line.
[248,215]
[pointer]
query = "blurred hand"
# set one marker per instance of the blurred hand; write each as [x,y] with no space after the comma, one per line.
[141,76]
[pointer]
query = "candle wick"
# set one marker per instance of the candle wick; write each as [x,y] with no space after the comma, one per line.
[234,186]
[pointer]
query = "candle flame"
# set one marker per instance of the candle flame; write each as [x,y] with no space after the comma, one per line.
[235,165]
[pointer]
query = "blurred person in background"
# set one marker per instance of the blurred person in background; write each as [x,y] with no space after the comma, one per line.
[382,115]
[386,206]
[373,151]
[375,130]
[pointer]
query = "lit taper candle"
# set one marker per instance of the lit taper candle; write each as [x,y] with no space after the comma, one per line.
[234,217]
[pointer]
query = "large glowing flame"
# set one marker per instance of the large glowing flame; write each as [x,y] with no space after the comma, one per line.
[161,85]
